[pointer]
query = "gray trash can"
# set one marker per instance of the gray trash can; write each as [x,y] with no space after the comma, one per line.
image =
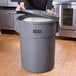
[37,40]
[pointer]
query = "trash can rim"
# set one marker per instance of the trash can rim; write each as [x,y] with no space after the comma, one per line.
[50,20]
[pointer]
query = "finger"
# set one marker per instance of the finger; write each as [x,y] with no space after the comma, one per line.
[23,7]
[17,9]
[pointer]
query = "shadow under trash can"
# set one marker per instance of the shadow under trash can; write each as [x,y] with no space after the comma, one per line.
[37,31]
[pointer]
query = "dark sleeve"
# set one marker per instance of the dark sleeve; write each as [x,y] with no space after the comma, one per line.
[49,4]
[21,1]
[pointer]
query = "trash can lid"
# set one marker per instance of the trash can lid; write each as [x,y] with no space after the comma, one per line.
[36,19]
[40,13]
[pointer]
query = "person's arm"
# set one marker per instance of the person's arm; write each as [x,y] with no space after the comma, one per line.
[21,5]
[21,1]
[49,4]
[49,7]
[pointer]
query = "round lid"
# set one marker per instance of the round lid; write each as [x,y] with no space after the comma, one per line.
[40,14]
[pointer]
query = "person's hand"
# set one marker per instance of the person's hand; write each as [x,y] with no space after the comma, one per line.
[20,7]
[51,12]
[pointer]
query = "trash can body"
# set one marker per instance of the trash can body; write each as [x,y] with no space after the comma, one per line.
[37,40]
